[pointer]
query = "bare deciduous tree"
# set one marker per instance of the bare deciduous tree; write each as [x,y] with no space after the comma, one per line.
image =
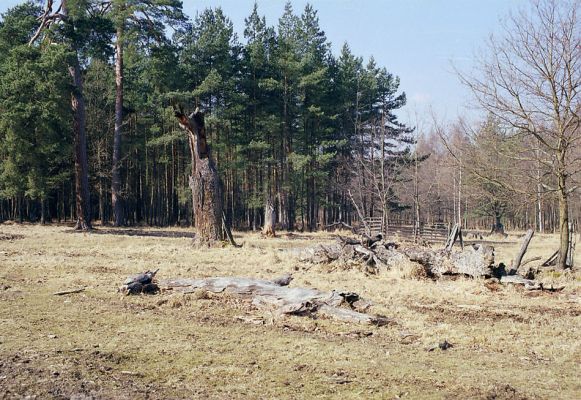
[530,80]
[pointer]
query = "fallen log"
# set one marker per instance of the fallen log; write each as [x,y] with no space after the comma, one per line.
[475,260]
[529,284]
[280,299]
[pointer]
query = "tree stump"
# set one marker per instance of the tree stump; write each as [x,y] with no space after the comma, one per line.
[269,217]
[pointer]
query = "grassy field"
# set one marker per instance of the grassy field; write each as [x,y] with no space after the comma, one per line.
[507,343]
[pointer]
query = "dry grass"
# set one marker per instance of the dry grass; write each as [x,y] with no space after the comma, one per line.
[508,344]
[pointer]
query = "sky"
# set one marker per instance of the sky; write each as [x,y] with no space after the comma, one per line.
[418,40]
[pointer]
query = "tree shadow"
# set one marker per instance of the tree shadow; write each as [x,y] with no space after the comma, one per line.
[142,232]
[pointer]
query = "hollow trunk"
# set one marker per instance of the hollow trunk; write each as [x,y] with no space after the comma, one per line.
[204,182]
[269,217]
[116,200]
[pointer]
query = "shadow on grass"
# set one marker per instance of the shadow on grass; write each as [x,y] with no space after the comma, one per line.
[141,232]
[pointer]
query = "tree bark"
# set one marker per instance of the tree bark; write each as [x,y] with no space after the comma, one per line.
[82,199]
[571,251]
[269,217]
[563,223]
[82,194]
[204,182]
[498,227]
[116,200]
[42,211]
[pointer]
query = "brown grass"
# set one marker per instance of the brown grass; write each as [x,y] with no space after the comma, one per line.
[507,343]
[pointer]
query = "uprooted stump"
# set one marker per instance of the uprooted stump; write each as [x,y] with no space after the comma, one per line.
[140,283]
[284,300]
[476,260]
[374,254]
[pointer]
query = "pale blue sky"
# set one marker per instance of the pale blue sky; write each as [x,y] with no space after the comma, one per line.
[415,39]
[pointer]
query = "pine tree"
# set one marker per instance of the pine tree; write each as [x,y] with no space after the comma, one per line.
[260,89]
[133,20]
[35,142]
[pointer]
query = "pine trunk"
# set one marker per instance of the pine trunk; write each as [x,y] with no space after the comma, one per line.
[82,199]
[116,201]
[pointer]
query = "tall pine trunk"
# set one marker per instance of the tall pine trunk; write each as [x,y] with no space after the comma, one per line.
[82,199]
[116,200]
[82,193]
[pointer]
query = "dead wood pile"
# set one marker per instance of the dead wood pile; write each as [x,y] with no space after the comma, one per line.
[374,254]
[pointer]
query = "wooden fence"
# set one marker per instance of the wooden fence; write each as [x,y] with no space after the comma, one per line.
[430,233]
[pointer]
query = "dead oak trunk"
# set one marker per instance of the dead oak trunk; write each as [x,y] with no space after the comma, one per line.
[204,182]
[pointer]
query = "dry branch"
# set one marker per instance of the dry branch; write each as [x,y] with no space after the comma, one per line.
[70,291]
[340,224]
[530,260]
[551,260]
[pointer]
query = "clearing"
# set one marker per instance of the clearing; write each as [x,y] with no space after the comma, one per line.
[507,343]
